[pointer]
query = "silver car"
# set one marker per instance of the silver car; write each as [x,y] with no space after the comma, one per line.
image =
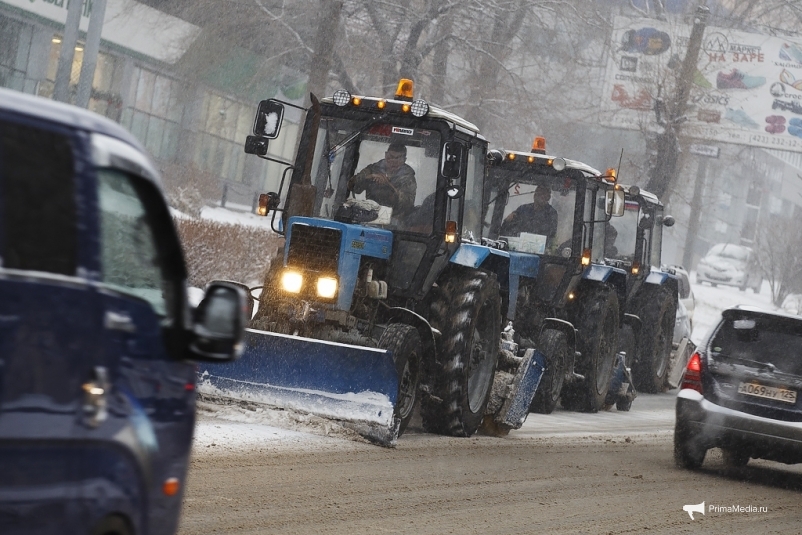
[732,265]
[741,391]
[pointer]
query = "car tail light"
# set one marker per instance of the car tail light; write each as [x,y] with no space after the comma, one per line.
[693,373]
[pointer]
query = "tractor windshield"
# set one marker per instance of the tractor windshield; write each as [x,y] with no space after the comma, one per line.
[538,214]
[375,173]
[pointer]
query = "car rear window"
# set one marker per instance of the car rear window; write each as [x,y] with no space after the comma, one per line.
[769,341]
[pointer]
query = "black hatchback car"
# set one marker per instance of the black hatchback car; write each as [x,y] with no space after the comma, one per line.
[741,391]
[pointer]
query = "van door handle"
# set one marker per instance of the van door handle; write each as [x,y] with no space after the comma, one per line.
[96,392]
[116,321]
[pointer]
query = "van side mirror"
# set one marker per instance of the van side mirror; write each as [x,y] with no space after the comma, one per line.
[453,154]
[219,323]
[614,202]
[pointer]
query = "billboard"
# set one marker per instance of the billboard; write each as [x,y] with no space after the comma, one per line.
[747,88]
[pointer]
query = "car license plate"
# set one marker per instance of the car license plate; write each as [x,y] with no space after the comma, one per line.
[768,392]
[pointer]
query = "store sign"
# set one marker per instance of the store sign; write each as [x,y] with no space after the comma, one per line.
[746,87]
[711,151]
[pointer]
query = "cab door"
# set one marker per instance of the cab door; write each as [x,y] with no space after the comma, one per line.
[151,401]
[49,320]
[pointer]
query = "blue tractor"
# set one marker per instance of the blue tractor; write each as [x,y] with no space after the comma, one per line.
[634,245]
[384,299]
[563,299]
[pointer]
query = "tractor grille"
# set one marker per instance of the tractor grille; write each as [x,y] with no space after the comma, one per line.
[314,248]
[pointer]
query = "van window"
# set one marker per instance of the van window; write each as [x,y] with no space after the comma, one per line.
[37,200]
[130,260]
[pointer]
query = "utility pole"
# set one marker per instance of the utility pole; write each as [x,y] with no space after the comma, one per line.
[91,50]
[696,213]
[61,89]
[665,167]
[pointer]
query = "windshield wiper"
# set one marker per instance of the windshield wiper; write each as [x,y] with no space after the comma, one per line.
[350,139]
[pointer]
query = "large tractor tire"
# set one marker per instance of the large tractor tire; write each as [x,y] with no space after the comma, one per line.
[554,346]
[405,344]
[466,309]
[598,340]
[658,314]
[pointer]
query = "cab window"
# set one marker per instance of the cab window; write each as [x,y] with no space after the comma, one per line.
[131,259]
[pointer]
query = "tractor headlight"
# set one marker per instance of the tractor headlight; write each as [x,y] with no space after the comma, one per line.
[326,287]
[291,281]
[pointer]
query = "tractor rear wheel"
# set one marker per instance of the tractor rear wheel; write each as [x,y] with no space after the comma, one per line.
[555,347]
[598,340]
[466,309]
[404,342]
[658,314]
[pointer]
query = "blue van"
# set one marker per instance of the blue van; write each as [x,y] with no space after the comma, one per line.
[97,340]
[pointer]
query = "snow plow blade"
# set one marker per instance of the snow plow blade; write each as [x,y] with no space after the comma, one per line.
[353,385]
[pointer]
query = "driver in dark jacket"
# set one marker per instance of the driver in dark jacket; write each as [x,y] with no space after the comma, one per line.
[389,182]
[539,217]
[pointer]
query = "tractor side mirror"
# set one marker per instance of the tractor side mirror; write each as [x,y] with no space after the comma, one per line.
[614,202]
[668,221]
[269,116]
[453,154]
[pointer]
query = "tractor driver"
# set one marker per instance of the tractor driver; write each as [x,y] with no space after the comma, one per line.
[539,217]
[389,182]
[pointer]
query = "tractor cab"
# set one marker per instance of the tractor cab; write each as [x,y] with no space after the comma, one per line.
[551,207]
[410,170]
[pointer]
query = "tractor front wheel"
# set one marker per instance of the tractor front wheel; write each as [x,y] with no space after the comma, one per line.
[658,315]
[598,340]
[404,342]
[466,309]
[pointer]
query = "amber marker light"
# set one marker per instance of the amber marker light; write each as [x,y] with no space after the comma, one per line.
[171,486]
[356,101]
[635,268]
[264,200]
[611,174]
[381,104]
[531,159]
[405,89]
[451,231]
[539,145]
[405,108]
[511,156]
[586,257]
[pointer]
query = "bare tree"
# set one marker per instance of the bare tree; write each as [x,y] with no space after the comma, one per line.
[780,253]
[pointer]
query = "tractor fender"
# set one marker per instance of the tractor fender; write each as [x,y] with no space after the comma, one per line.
[616,277]
[661,278]
[508,268]
[634,322]
[563,326]
[425,329]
